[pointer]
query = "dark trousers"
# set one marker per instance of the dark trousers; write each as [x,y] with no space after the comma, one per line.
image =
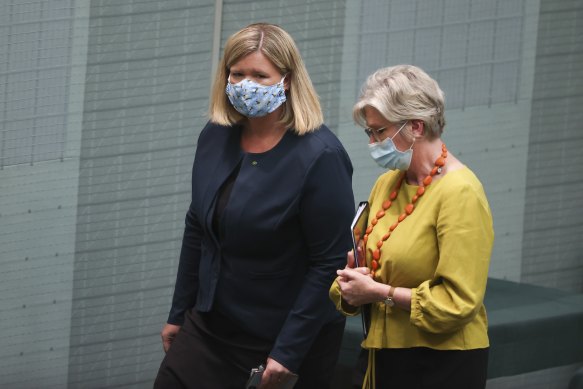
[208,353]
[425,368]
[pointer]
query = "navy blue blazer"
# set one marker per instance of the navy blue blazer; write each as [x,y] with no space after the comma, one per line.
[284,232]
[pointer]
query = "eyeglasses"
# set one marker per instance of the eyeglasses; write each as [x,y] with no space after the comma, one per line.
[375,133]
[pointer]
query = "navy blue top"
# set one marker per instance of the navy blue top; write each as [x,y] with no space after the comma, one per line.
[284,232]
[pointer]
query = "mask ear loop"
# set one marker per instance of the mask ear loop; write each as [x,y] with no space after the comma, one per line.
[282,82]
[399,130]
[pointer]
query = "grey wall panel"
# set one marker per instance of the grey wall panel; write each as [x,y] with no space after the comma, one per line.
[37,230]
[41,70]
[553,205]
[146,92]
[36,44]
[472,48]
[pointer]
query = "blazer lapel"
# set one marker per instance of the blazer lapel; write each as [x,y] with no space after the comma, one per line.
[227,156]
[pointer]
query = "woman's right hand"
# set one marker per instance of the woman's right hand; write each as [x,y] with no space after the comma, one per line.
[357,286]
[168,334]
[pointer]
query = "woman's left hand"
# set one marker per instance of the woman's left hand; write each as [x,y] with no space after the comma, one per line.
[275,375]
[358,287]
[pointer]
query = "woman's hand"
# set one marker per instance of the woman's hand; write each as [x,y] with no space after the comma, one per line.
[168,334]
[275,375]
[350,259]
[358,288]
[350,262]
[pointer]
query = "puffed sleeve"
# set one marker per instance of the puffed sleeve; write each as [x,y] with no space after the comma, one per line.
[341,306]
[465,237]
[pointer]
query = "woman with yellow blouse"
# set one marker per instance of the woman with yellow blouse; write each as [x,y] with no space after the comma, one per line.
[427,245]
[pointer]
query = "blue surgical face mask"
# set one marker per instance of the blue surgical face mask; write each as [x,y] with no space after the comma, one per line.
[255,100]
[387,156]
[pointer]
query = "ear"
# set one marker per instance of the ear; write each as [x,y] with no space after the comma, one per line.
[418,128]
[287,82]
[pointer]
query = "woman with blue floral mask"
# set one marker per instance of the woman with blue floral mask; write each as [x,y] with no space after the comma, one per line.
[427,245]
[267,228]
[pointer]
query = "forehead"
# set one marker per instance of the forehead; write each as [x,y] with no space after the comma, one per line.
[257,62]
[373,117]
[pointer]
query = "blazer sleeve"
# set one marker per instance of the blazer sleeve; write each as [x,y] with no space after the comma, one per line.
[186,286]
[187,282]
[326,210]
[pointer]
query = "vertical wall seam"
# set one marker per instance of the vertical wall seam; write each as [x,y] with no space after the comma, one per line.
[215,53]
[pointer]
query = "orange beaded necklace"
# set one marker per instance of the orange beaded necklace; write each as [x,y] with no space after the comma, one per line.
[409,208]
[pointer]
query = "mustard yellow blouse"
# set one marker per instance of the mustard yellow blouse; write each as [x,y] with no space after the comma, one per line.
[442,252]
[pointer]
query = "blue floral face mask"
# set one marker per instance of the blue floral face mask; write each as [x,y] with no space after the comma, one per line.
[255,100]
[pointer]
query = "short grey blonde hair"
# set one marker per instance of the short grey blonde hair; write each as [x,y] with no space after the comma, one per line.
[301,111]
[401,93]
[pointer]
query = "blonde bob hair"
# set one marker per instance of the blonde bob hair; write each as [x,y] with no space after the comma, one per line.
[401,93]
[301,111]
